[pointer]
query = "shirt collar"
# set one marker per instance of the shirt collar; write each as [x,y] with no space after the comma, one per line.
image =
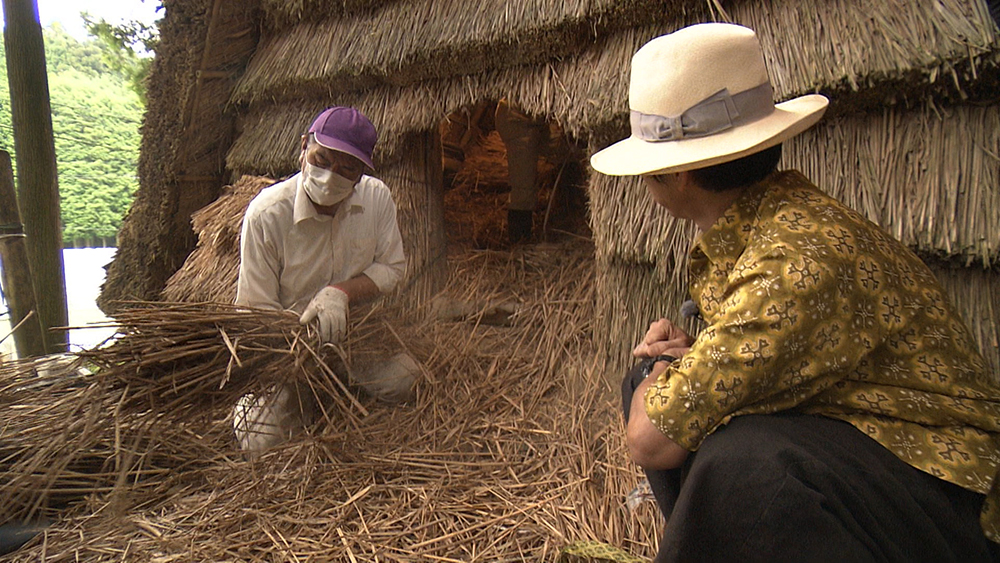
[727,238]
[303,207]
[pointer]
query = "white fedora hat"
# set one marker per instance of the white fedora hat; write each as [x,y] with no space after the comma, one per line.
[701,96]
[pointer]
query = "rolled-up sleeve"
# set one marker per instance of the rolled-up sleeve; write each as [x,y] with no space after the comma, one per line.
[390,261]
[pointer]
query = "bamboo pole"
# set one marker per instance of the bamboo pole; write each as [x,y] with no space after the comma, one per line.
[34,148]
[15,269]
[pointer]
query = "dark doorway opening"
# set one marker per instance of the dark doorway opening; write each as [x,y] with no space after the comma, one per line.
[478,161]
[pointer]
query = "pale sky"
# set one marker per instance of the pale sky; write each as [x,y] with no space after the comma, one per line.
[67,13]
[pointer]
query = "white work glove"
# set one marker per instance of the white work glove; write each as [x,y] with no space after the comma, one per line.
[330,307]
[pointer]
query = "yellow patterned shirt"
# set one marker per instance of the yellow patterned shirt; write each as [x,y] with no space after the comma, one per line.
[811,308]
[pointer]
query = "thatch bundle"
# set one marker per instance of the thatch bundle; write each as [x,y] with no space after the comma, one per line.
[512,449]
[153,404]
[210,272]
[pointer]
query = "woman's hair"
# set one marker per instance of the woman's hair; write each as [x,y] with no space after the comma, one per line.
[738,173]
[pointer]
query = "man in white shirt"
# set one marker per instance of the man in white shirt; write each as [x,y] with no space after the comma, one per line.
[317,243]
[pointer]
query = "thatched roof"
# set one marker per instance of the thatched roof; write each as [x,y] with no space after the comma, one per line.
[569,61]
[913,84]
[281,13]
[209,274]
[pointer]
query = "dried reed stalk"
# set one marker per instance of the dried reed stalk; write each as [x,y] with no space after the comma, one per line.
[172,374]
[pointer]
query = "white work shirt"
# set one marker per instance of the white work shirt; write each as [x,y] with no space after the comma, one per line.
[289,251]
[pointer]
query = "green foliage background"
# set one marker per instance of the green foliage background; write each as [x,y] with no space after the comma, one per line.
[95,120]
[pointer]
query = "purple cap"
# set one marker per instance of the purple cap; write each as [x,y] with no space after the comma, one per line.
[346,130]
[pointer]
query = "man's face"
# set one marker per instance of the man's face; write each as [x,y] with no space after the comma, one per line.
[337,162]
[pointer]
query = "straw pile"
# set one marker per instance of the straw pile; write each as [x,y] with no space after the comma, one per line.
[210,272]
[512,449]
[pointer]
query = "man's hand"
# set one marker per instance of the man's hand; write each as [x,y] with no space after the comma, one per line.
[329,306]
[663,338]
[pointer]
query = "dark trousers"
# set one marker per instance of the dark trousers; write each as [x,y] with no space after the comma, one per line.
[794,487]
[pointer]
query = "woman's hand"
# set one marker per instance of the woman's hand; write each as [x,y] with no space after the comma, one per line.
[663,338]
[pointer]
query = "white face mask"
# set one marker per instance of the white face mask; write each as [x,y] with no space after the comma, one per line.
[323,186]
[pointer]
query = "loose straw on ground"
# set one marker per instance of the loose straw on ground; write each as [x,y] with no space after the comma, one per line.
[511,450]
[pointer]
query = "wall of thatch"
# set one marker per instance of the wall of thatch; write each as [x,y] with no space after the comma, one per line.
[186,132]
[907,139]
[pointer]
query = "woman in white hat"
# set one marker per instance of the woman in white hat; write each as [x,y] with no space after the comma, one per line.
[834,408]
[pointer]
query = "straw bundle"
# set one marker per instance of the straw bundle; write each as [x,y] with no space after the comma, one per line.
[153,405]
[512,449]
[210,272]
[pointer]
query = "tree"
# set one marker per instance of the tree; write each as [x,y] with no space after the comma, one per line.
[6,128]
[37,186]
[63,52]
[124,46]
[95,120]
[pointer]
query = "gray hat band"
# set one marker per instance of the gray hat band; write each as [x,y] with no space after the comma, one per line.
[716,113]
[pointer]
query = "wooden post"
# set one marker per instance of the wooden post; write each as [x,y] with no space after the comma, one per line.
[15,273]
[34,148]
[437,239]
